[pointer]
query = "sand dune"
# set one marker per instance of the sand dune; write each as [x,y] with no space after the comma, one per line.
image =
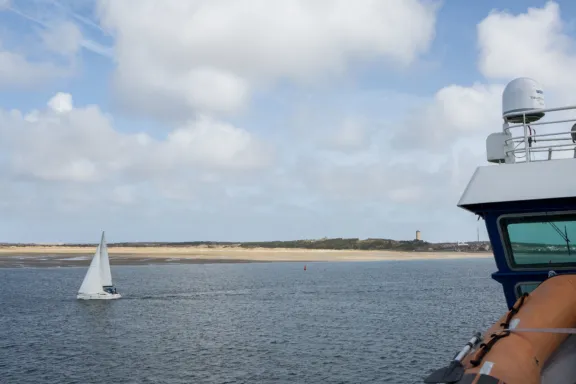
[233,253]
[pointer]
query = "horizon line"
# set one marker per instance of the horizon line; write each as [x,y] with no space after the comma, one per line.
[227,242]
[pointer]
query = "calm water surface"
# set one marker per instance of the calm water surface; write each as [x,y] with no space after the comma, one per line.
[381,322]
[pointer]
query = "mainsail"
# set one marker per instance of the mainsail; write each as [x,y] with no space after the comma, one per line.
[105,274]
[91,283]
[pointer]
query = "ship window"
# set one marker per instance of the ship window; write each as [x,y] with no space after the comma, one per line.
[525,288]
[540,241]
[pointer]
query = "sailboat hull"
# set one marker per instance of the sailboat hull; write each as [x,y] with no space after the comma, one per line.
[98,296]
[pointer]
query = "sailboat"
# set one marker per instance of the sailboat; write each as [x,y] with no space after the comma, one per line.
[97,284]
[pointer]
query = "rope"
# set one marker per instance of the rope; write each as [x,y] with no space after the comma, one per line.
[485,347]
[515,308]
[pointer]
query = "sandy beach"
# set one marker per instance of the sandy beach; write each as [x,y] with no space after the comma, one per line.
[14,256]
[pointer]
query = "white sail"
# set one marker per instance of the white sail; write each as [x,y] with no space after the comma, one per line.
[91,283]
[105,274]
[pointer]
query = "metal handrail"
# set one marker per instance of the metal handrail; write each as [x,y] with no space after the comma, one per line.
[541,123]
[526,145]
[541,149]
[558,136]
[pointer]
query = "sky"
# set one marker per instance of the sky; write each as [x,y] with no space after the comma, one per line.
[258,120]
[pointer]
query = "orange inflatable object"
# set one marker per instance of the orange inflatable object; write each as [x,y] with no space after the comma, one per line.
[518,358]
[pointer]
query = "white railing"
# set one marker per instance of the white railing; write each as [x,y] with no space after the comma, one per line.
[544,139]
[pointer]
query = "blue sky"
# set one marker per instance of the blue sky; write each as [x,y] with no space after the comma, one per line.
[207,121]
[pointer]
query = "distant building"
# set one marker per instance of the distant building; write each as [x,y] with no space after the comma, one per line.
[418,236]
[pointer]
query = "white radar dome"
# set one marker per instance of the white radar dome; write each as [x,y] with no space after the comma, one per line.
[522,94]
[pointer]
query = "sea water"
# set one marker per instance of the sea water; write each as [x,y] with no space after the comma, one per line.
[364,322]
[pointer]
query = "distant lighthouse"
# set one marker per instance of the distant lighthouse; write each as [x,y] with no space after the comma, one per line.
[418,236]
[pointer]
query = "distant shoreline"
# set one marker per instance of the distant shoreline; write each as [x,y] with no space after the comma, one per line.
[53,256]
[324,244]
[195,249]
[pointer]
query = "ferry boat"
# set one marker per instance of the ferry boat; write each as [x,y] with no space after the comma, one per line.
[527,199]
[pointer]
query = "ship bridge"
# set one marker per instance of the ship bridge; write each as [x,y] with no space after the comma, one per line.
[528,197]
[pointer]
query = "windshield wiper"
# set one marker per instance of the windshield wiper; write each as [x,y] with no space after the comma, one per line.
[563,235]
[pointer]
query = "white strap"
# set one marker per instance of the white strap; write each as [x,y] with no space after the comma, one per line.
[546,330]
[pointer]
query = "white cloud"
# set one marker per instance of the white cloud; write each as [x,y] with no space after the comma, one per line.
[61,102]
[46,56]
[86,167]
[207,56]
[65,38]
[453,126]
[123,194]
[170,94]
[456,112]
[531,44]
[4,4]
[67,144]
[352,135]
[385,168]
[17,70]
[213,145]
